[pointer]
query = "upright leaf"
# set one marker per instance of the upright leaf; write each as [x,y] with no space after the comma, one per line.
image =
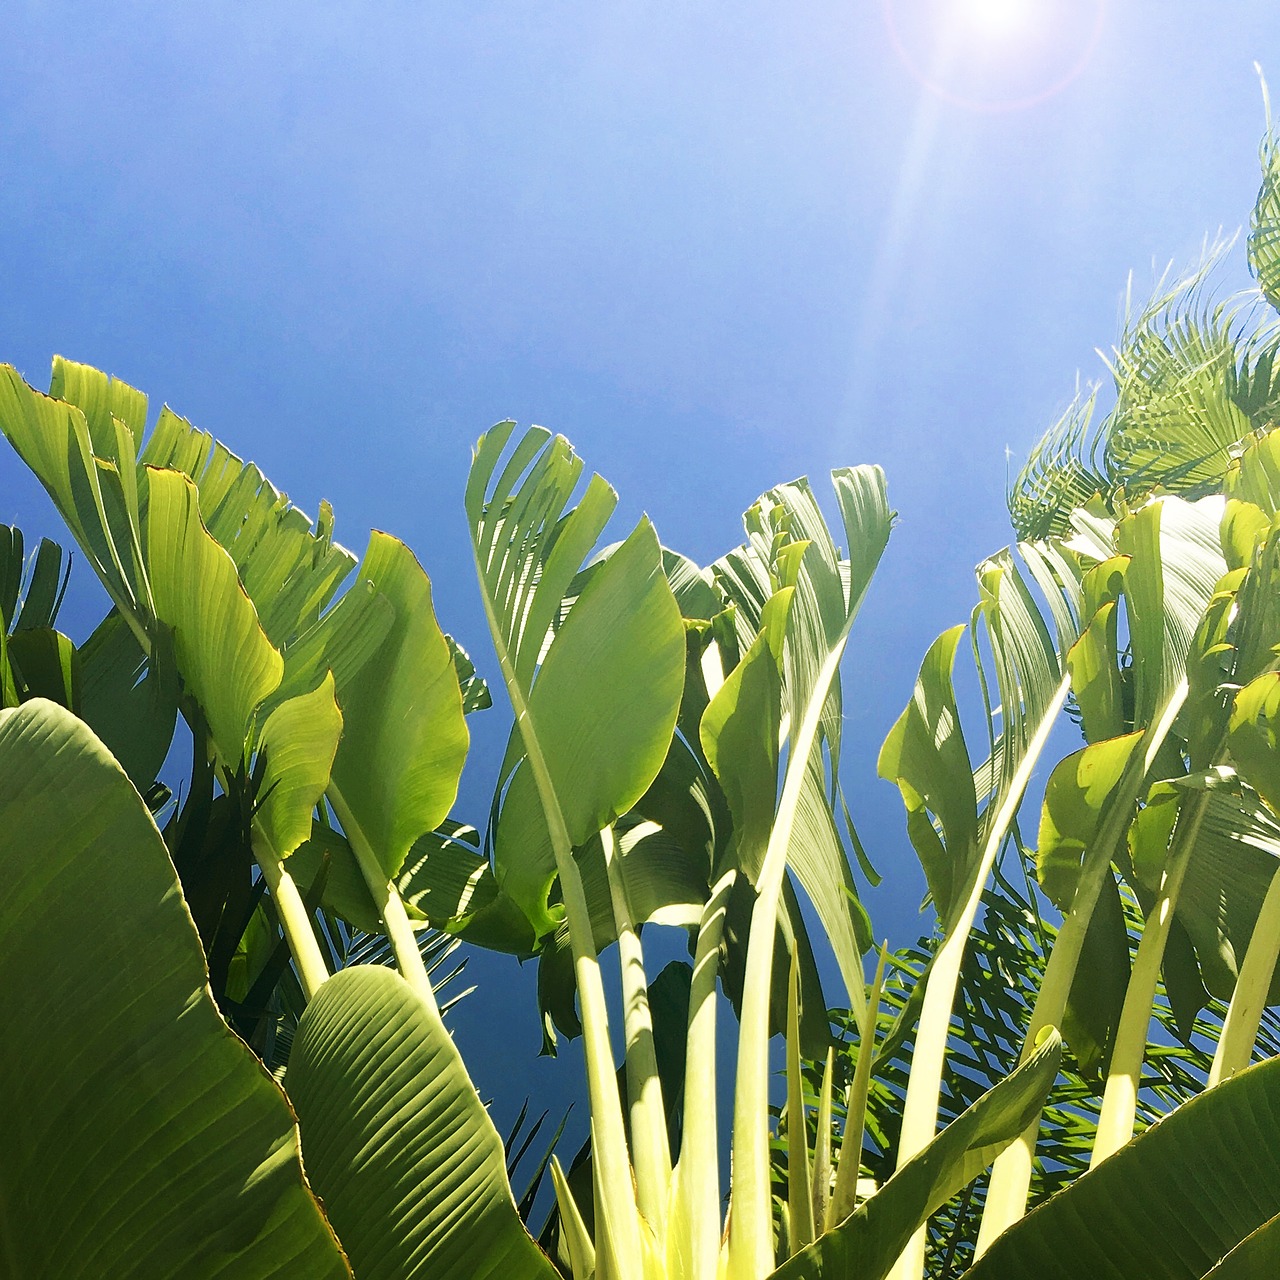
[225,659]
[404,737]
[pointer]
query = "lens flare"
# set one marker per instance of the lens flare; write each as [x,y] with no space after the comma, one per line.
[997,19]
[994,55]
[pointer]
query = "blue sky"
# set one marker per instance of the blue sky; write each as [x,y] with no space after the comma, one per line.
[718,246]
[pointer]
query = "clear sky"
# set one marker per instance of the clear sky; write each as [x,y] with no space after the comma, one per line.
[717,245]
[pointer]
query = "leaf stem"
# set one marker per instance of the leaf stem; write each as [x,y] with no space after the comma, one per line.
[924,1087]
[1240,1029]
[295,919]
[1011,1174]
[387,900]
[651,1152]
[845,1198]
[1120,1097]
[799,1180]
[750,1219]
[695,1241]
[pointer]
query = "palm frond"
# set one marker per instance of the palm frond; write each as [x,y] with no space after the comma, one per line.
[1062,473]
[1264,231]
[1176,416]
[999,979]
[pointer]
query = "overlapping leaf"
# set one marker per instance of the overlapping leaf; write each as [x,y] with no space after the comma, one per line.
[142,1139]
[397,1142]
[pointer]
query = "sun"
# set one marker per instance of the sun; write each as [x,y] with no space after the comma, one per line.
[996,19]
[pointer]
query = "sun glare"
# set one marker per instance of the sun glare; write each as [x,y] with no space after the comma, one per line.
[997,19]
[995,55]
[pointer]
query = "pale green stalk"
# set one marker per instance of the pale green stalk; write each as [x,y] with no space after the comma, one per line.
[1240,1029]
[822,1152]
[1011,1174]
[694,1241]
[651,1155]
[387,900]
[799,1183]
[1120,1097]
[924,1086]
[751,1218]
[291,910]
[582,1253]
[845,1198]
[293,915]
[617,1219]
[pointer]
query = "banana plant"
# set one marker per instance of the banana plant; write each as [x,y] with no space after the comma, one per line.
[218,582]
[927,756]
[597,689]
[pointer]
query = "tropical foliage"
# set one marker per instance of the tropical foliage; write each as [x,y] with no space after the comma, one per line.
[673,763]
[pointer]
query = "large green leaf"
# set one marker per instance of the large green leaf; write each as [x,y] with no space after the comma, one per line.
[868,1242]
[397,1142]
[404,737]
[225,658]
[289,566]
[605,700]
[1168,1206]
[789,543]
[1175,563]
[1075,795]
[925,754]
[141,1138]
[603,707]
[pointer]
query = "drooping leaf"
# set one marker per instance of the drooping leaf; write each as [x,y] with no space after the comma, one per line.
[1255,735]
[447,880]
[739,736]
[868,1243]
[45,664]
[1169,1205]
[142,1139]
[1075,796]
[128,699]
[52,438]
[397,1142]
